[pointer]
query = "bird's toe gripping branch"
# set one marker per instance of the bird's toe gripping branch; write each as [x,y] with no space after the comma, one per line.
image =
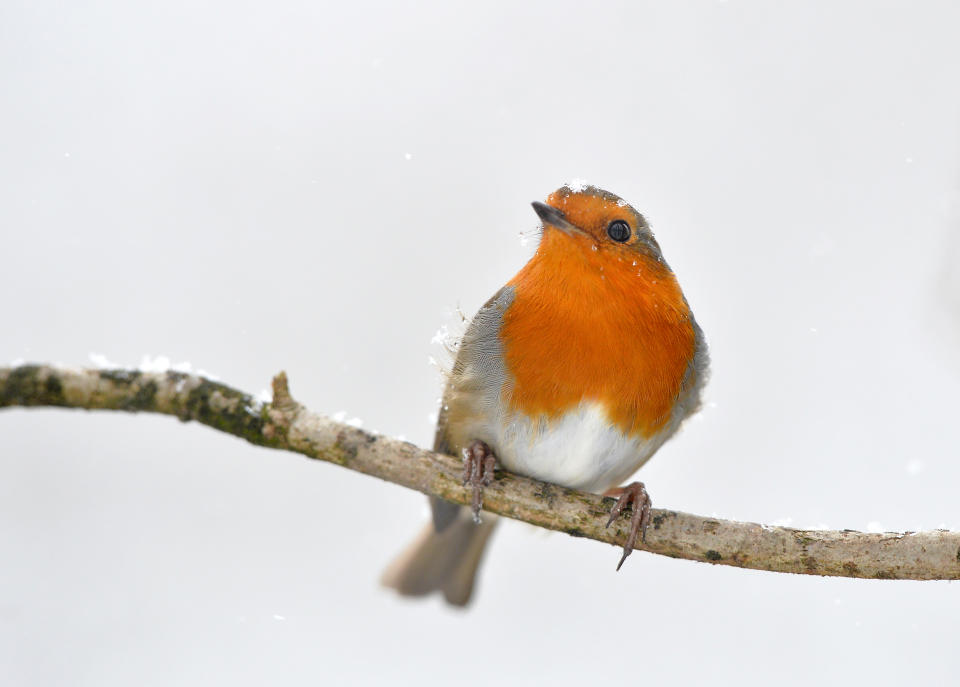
[635,495]
[479,463]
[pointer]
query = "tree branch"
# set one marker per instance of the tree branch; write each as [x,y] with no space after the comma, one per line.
[285,424]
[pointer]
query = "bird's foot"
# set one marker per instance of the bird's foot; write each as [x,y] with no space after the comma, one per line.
[634,494]
[478,465]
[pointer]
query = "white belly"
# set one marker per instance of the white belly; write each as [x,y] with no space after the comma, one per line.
[581,449]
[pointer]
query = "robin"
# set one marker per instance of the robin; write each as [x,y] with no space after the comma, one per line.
[574,373]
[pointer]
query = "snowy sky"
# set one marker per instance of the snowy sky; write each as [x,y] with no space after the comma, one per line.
[320,187]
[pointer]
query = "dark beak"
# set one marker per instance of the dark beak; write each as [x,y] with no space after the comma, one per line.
[555,218]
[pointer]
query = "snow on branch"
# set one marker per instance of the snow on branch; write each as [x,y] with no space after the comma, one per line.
[285,424]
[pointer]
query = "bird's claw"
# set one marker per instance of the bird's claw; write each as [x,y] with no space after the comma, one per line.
[479,463]
[634,494]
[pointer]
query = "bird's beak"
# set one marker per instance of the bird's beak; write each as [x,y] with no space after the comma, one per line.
[555,218]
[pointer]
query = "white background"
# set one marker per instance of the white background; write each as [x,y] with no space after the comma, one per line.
[316,187]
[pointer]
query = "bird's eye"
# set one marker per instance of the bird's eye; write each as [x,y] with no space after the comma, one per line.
[618,230]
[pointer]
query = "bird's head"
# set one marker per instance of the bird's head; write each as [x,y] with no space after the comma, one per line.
[597,219]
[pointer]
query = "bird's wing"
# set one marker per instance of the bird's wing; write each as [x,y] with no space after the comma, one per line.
[477,370]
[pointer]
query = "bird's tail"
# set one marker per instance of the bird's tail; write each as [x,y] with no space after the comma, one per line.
[442,561]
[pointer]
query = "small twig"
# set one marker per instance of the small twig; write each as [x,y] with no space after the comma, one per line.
[284,424]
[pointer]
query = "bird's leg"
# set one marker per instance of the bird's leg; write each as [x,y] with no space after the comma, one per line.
[478,465]
[634,494]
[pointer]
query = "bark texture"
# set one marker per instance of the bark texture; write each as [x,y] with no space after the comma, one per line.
[285,424]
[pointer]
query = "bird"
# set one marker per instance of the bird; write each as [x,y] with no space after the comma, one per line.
[575,372]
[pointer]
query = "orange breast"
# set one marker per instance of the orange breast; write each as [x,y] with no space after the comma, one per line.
[597,324]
